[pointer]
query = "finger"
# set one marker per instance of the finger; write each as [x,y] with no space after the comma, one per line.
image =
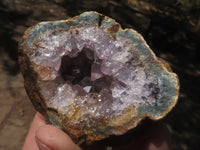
[51,138]
[30,143]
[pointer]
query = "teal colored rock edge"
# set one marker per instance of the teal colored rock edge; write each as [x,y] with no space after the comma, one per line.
[86,18]
[170,82]
[54,121]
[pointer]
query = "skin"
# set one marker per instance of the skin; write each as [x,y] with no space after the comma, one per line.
[151,136]
[47,137]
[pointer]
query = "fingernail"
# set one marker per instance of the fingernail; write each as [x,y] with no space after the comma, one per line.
[41,146]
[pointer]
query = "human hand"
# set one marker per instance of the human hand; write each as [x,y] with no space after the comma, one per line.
[47,137]
[149,136]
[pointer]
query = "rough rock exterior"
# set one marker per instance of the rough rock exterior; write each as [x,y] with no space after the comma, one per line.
[93,79]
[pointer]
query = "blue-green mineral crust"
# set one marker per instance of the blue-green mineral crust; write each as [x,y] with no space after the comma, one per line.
[93,79]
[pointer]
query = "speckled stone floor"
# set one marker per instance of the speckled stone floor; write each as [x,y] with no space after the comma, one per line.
[16,111]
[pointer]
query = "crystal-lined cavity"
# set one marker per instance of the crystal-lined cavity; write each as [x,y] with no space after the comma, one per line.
[92,78]
[89,61]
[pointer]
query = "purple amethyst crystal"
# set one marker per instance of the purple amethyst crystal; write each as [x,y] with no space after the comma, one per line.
[93,79]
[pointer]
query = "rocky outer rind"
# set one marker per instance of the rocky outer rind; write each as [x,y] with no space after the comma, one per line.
[36,75]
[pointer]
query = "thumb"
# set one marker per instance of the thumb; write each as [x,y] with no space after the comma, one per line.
[51,138]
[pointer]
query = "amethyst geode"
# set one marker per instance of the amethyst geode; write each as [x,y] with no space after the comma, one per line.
[93,79]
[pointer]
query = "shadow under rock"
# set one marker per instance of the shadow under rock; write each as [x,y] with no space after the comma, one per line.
[154,132]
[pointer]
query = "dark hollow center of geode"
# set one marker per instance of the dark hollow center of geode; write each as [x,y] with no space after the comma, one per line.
[74,69]
[78,70]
